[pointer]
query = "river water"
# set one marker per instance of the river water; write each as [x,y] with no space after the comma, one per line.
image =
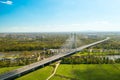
[113,57]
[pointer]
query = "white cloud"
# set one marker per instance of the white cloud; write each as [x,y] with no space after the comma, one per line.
[86,26]
[8,2]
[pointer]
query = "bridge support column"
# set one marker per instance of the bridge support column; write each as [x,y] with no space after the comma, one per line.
[19,75]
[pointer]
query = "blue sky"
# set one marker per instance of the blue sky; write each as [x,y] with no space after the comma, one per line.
[59,15]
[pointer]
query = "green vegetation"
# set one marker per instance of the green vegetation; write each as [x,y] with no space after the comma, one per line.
[32,41]
[6,69]
[86,57]
[29,48]
[89,64]
[77,72]
[87,72]
[40,74]
[25,58]
[29,42]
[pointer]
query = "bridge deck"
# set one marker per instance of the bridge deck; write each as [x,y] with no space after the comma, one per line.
[12,74]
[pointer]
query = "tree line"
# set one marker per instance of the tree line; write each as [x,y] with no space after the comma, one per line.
[89,59]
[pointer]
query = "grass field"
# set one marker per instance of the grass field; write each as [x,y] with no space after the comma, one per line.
[40,74]
[6,69]
[88,72]
[77,72]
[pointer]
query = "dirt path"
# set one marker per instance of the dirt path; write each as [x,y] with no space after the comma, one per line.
[56,66]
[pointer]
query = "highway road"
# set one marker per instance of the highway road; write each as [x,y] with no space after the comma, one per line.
[28,68]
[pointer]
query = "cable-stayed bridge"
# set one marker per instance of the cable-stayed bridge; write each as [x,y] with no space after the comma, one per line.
[69,48]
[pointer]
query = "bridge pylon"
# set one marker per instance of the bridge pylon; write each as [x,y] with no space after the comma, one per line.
[74,41]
